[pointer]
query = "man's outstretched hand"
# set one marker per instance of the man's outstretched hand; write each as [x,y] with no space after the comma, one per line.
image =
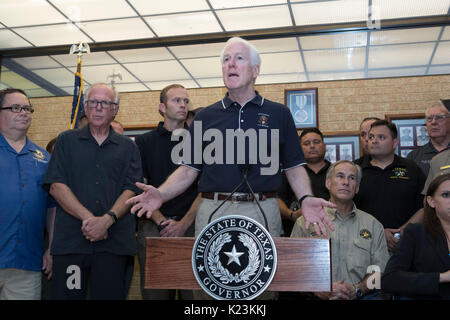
[147,202]
[314,213]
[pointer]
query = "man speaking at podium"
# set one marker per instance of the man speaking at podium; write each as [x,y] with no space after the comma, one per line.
[260,127]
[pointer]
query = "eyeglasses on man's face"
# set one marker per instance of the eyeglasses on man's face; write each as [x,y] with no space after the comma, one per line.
[103,103]
[17,108]
[437,117]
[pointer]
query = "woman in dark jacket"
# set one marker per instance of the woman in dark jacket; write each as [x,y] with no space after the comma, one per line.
[420,267]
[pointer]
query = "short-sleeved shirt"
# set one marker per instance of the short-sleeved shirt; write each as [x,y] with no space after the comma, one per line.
[23,204]
[393,194]
[157,164]
[440,164]
[260,118]
[423,155]
[97,175]
[357,242]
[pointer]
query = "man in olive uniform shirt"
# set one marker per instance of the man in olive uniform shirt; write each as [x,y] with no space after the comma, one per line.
[357,242]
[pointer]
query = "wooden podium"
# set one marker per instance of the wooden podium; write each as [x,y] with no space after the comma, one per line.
[304,264]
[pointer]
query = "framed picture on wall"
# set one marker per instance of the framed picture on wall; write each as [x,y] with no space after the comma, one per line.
[134,131]
[304,105]
[342,146]
[412,132]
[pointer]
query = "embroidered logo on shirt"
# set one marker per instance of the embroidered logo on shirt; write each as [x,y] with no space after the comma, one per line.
[399,173]
[263,120]
[38,154]
[365,234]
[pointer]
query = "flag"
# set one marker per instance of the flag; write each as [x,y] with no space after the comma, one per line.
[77,103]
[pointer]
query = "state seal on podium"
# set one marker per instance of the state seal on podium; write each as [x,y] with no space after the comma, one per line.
[234,258]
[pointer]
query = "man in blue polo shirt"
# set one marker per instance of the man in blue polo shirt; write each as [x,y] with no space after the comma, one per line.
[270,128]
[23,201]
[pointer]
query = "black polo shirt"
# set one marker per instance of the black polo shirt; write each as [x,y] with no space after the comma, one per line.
[423,155]
[392,195]
[97,176]
[156,148]
[318,181]
[259,114]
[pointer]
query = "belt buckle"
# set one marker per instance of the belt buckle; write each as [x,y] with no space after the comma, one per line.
[234,198]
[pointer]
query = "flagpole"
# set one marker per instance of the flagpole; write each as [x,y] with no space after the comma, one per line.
[77,103]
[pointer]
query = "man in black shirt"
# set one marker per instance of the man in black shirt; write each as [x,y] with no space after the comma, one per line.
[391,186]
[175,218]
[364,129]
[311,141]
[91,174]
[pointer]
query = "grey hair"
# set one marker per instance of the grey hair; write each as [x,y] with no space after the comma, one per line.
[255,59]
[437,105]
[88,92]
[332,167]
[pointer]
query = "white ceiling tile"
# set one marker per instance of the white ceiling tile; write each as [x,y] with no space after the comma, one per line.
[312,13]
[404,36]
[9,40]
[41,62]
[281,78]
[14,13]
[141,55]
[13,80]
[275,45]
[220,4]
[130,87]
[400,55]
[442,54]
[335,76]
[337,59]
[145,7]
[255,18]
[198,50]
[210,82]
[116,30]
[158,70]
[95,74]
[82,10]
[184,23]
[158,85]
[439,70]
[412,8]
[285,62]
[35,93]
[334,40]
[54,35]
[398,72]
[446,34]
[93,58]
[203,67]
[68,90]
[59,76]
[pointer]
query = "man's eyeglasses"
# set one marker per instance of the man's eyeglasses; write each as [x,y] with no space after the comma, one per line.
[17,108]
[104,104]
[437,117]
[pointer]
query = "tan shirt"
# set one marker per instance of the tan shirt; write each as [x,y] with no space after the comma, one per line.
[357,242]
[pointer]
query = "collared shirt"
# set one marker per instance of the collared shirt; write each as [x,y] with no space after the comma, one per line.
[440,164]
[357,242]
[260,117]
[318,181]
[423,155]
[97,175]
[23,204]
[393,194]
[156,149]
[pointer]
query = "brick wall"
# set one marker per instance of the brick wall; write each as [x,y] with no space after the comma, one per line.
[342,104]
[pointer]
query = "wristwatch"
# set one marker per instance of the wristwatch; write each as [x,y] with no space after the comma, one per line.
[303,198]
[358,292]
[112,214]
